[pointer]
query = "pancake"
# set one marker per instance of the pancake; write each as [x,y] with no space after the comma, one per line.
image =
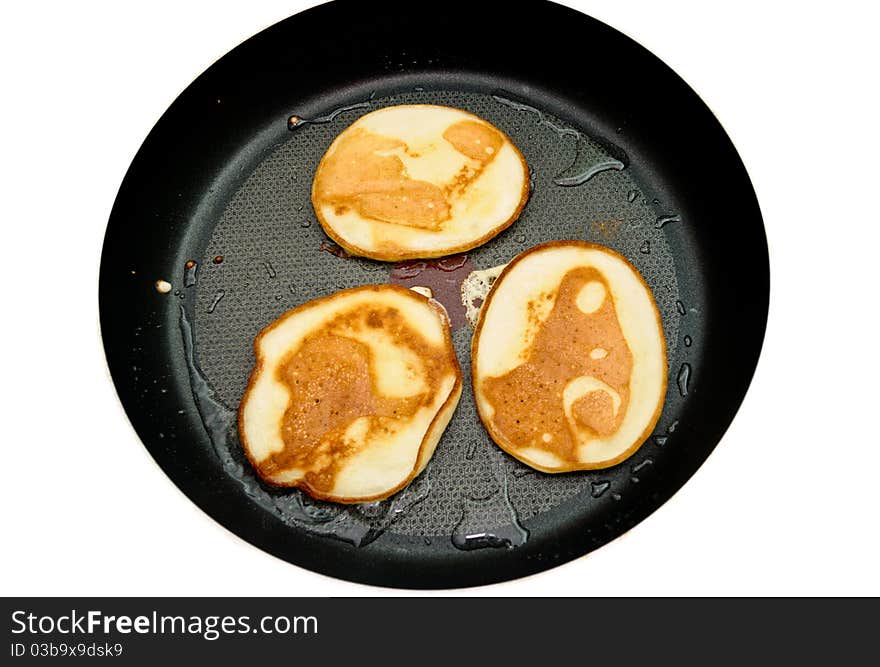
[350,393]
[418,181]
[569,358]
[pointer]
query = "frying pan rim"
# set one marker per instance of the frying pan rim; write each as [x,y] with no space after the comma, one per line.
[116,351]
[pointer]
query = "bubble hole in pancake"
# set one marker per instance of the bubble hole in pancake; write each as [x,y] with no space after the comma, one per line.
[350,393]
[418,181]
[569,358]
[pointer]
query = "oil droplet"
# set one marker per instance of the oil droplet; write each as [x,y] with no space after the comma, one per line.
[684,377]
[645,249]
[189,273]
[679,306]
[509,536]
[584,174]
[540,118]
[401,503]
[664,220]
[294,122]
[587,161]
[409,270]
[597,489]
[660,440]
[218,259]
[163,286]
[451,263]
[372,509]
[632,195]
[270,270]
[688,341]
[506,537]
[219,295]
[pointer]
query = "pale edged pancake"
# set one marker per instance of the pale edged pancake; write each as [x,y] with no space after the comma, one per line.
[418,181]
[569,358]
[350,393]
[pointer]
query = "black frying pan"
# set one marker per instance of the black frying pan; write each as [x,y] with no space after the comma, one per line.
[621,152]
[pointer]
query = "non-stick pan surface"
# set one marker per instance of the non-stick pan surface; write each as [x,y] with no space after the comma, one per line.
[216,202]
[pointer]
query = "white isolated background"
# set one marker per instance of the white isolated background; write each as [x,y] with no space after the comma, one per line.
[786,505]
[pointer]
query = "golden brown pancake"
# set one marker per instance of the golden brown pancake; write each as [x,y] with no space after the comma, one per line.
[569,358]
[418,181]
[350,393]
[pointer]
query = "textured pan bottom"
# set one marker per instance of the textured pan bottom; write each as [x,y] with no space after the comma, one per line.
[275,257]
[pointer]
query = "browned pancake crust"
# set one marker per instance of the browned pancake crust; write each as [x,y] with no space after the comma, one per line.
[330,383]
[379,189]
[523,396]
